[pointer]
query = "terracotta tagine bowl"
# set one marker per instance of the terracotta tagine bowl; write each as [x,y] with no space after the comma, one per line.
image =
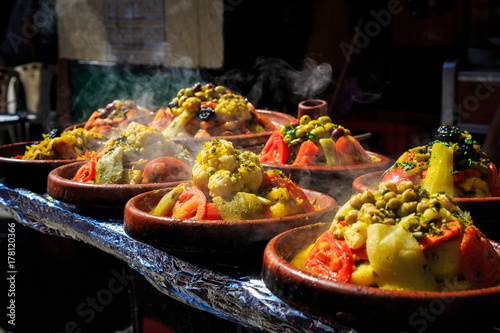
[213,236]
[370,309]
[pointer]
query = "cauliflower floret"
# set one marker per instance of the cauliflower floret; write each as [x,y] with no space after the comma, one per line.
[141,142]
[233,107]
[221,170]
[192,105]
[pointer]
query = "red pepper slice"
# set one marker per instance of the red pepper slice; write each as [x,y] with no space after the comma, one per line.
[451,230]
[479,261]
[275,150]
[192,204]
[306,154]
[330,258]
[165,169]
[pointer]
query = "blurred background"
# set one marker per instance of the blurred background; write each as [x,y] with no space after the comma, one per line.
[396,69]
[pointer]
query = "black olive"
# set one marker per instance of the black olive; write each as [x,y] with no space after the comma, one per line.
[173,104]
[447,133]
[206,113]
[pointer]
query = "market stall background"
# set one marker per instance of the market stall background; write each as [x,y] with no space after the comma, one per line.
[278,53]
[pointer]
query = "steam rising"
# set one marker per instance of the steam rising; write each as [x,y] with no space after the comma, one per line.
[275,84]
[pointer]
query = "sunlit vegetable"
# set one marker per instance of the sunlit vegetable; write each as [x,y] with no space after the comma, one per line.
[401,237]
[397,260]
[439,177]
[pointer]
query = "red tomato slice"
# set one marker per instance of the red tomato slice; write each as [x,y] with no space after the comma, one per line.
[330,258]
[452,229]
[212,212]
[307,153]
[350,151]
[360,253]
[297,192]
[272,179]
[479,261]
[86,172]
[275,150]
[466,173]
[192,204]
[165,169]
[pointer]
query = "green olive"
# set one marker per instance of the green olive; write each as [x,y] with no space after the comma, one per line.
[394,203]
[329,127]
[422,207]
[320,132]
[188,92]
[380,203]
[210,92]
[315,123]
[308,127]
[220,89]
[300,132]
[409,195]
[368,197]
[351,216]
[389,195]
[305,119]
[200,95]
[325,119]
[389,186]
[356,201]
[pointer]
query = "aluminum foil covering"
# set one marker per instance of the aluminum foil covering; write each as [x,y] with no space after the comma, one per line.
[225,290]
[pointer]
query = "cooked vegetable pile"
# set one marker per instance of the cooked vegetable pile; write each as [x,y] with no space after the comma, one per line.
[137,156]
[454,164]
[207,111]
[73,144]
[401,237]
[114,113]
[229,184]
[316,142]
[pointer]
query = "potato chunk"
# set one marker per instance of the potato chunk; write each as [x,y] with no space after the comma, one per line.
[397,260]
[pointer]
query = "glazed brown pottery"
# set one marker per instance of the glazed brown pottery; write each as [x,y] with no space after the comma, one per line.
[60,186]
[314,108]
[30,174]
[370,309]
[213,236]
